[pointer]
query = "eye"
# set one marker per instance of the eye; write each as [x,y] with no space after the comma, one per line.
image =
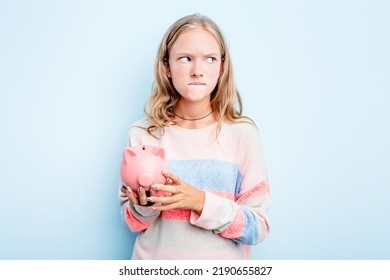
[211,59]
[185,59]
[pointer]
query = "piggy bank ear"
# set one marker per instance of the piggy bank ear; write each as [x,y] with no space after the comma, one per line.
[160,152]
[128,154]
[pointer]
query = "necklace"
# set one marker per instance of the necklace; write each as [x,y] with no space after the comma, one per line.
[197,119]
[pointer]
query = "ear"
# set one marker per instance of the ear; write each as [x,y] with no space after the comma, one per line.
[168,72]
[128,154]
[159,152]
[222,67]
[167,68]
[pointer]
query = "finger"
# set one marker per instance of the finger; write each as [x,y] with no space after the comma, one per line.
[153,191]
[169,175]
[127,189]
[142,196]
[163,199]
[169,181]
[176,179]
[133,200]
[123,193]
[167,188]
[158,207]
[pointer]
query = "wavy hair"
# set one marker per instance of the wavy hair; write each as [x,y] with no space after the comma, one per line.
[225,99]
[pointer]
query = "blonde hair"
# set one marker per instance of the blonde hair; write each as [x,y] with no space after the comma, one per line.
[225,99]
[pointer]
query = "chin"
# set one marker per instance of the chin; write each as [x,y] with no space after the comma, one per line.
[195,97]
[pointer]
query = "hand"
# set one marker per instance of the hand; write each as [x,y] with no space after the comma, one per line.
[183,195]
[139,197]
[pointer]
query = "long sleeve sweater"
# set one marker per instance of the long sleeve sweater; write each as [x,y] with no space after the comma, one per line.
[230,169]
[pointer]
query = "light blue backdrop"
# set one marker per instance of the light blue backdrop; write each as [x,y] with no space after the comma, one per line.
[314,75]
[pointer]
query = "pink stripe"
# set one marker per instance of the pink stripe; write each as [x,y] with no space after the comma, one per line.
[236,227]
[176,214]
[135,224]
[258,190]
[227,195]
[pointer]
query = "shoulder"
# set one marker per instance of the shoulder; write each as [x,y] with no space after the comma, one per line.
[141,124]
[243,134]
[139,127]
[137,130]
[139,135]
[242,128]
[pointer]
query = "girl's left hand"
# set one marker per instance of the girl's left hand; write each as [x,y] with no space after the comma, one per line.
[183,195]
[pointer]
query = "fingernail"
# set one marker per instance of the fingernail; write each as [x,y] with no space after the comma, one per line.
[169,181]
[128,189]
[150,199]
[154,187]
[165,173]
[141,189]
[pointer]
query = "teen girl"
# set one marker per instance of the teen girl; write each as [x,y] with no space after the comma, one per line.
[217,178]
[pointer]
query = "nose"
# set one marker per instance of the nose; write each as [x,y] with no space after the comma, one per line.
[197,70]
[145,179]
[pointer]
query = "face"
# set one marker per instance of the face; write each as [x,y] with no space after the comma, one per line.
[195,65]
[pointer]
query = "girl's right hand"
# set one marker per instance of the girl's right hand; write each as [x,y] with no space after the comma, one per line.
[138,198]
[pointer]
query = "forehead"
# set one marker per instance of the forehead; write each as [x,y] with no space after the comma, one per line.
[196,40]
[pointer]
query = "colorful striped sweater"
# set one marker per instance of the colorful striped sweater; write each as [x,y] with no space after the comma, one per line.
[230,170]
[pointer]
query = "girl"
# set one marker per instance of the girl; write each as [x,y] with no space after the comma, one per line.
[218,206]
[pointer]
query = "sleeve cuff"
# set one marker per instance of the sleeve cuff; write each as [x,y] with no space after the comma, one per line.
[145,211]
[217,213]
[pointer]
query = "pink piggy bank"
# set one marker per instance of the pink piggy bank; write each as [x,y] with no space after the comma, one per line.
[141,166]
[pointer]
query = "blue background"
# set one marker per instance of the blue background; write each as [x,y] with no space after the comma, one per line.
[314,75]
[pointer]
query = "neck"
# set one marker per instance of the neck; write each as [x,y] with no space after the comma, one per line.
[194,119]
[193,116]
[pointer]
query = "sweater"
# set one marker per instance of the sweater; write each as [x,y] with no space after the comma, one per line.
[230,169]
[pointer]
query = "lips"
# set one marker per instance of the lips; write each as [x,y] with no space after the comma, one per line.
[196,84]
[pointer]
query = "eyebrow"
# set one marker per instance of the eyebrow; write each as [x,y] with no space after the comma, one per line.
[189,54]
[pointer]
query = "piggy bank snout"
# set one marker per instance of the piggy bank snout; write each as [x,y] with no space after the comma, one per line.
[145,179]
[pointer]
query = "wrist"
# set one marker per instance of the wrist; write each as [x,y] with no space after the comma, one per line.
[199,207]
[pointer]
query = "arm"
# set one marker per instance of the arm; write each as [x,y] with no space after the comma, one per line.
[244,221]
[135,216]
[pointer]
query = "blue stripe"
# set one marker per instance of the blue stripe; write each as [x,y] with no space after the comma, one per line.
[251,229]
[208,174]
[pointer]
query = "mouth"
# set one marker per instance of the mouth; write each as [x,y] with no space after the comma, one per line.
[196,84]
